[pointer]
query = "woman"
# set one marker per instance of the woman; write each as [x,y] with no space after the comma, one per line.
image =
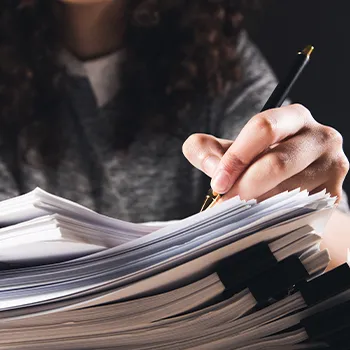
[98,96]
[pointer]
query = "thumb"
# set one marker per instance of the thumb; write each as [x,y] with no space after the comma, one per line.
[205,151]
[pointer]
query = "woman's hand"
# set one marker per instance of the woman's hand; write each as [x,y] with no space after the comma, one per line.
[277,150]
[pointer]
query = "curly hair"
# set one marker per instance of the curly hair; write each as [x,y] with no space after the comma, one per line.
[176,51]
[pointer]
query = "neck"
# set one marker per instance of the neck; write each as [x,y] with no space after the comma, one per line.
[92,30]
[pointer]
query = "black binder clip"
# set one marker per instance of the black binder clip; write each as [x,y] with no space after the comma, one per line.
[332,325]
[236,271]
[278,281]
[325,286]
[329,325]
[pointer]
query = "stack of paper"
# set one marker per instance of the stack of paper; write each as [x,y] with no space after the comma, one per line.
[241,275]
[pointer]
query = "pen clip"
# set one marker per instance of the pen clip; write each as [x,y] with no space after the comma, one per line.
[210,199]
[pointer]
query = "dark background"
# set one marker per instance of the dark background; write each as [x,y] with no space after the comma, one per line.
[284,27]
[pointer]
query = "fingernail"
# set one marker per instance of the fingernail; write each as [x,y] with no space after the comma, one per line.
[221,182]
[210,165]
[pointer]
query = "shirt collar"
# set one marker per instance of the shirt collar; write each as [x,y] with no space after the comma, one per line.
[103,73]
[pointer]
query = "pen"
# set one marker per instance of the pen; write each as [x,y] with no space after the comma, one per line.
[276,100]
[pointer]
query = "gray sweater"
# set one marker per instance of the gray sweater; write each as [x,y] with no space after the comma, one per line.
[153,181]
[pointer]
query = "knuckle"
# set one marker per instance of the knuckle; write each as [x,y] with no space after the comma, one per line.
[265,124]
[331,137]
[342,165]
[303,112]
[232,163]
[277,163]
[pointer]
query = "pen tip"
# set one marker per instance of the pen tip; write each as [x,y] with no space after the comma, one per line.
[308,50]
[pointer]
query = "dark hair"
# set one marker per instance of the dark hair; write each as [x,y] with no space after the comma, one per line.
[176,50]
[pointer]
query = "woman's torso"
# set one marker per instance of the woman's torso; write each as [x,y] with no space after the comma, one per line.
[152,180]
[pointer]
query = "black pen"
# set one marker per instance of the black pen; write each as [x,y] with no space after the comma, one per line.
[276,100]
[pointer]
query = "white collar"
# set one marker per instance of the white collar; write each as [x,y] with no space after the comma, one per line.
[102,73]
